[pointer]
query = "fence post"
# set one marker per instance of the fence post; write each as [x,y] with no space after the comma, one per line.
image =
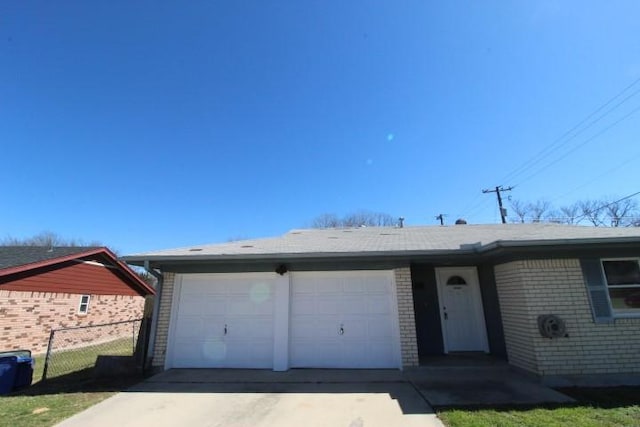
[46,358]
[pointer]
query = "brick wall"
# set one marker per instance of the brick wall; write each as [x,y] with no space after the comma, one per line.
[164,315]
[26,318]
[408,341]
[529,288]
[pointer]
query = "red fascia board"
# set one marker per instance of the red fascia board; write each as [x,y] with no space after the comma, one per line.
[131,275]
[134,279]
[51,261]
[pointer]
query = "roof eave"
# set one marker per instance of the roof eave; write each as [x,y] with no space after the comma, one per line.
[140,260]
[505,244]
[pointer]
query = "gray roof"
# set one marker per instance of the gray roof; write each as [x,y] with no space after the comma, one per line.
[13,256]
[398,241]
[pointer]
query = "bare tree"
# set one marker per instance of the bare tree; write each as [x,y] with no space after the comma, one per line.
[592,211]
[554,216]
[570,213]
[356,219]
[521,209]
[621,212]
[538,210]
[46,239]
[327,220]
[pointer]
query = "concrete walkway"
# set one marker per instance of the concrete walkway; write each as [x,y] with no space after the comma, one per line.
[487,386]
[311,397]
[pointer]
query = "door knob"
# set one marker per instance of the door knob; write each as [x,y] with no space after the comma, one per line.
[446,316]
[341,332]
[225,329]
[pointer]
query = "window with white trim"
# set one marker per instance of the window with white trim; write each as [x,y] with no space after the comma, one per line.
[83,307]
[623,284]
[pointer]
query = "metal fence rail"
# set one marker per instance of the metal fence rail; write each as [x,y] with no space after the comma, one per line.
[75,350]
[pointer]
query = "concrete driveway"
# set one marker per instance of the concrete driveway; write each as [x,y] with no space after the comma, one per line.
[264,398]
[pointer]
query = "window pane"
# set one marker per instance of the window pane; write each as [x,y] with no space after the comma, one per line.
[622,272]
[456,280]
[625,299]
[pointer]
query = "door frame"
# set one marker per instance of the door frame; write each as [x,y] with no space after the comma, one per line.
[472,273]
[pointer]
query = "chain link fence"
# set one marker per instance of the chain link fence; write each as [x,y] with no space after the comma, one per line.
[75,350]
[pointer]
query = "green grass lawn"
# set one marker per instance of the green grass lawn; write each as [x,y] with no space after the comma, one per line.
[47,409]
[68,361]
[596,407]
[69,387]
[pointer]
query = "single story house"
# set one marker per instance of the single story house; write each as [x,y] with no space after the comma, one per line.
[561,302]
[44,288]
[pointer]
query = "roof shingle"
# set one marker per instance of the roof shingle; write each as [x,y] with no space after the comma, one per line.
[396,240]
[13,256]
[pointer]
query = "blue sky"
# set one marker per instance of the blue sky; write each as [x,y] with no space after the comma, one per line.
[147,125]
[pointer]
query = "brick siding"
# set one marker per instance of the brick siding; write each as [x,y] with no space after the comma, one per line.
[408,341]
[164,316]
[529,288]
[26,318]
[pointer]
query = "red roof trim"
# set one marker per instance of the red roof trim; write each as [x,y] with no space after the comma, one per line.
[135,281]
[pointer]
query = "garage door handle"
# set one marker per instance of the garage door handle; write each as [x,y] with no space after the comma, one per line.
[225,329]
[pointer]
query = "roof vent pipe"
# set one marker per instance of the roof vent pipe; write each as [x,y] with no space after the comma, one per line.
[460,221]
[401,222]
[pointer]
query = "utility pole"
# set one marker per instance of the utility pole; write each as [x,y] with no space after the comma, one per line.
[503,211]
[441,218]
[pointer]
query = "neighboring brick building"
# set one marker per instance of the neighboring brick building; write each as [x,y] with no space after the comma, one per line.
[51,288]
[560,302]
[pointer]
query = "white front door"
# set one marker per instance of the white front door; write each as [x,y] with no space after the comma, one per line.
[222,321]
[343,320]
[461,313]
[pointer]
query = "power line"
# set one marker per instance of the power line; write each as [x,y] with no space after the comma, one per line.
[547,151]
[544,153]
[582,144]
[607,172]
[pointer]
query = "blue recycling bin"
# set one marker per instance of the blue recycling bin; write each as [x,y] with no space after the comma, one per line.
[8,371]
[16,370]
[24,371]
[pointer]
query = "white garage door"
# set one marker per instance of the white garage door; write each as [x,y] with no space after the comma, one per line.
[223,321]
[343,320]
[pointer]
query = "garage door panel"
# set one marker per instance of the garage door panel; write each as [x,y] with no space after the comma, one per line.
[355,304]
[190,327]
[328,306]
[354,285]
[302,328]
[208,303]
[305,355]
[316,327]
[376,285]
[301,305]
[355,328]
[196,304]
[355,353]
[360,303]
[379,305]
[380,328]
[245,353]
[254,327]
